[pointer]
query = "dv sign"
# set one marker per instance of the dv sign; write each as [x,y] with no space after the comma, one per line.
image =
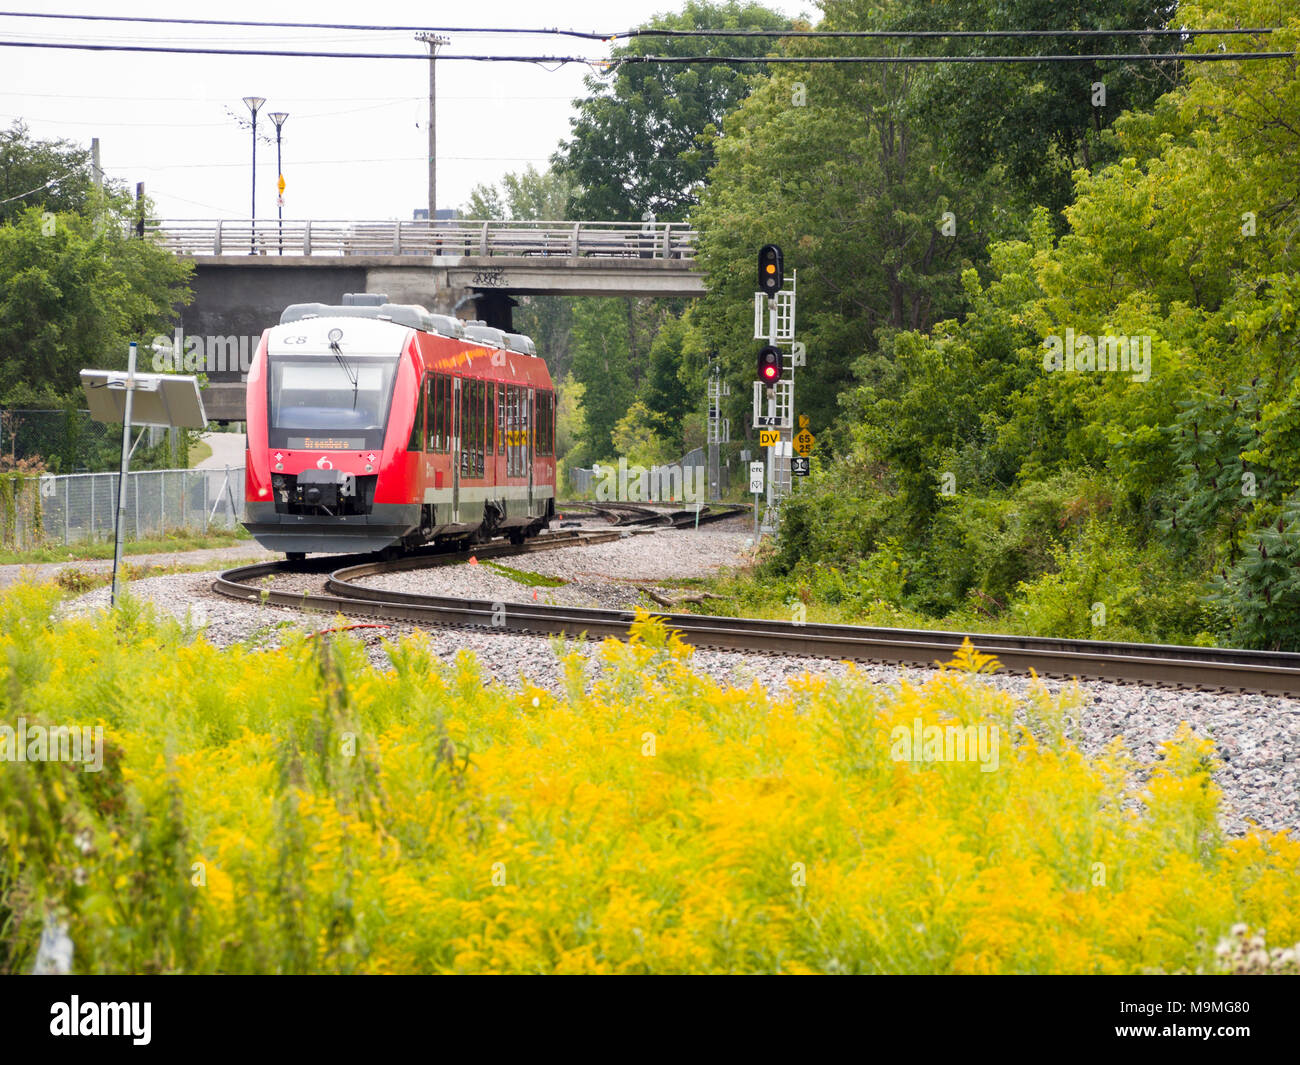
[756,478]
[769,437]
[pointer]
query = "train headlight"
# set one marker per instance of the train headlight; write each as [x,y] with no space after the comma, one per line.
[369,468]
[279,465]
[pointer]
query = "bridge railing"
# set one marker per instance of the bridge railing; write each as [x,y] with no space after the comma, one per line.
[269,236]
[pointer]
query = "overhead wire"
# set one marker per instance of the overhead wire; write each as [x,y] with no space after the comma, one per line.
[702,60]
[642,31]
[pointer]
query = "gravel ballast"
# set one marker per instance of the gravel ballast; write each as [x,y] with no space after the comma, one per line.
[1257,737]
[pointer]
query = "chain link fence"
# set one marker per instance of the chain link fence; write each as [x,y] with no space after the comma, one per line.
[585,480]
[67,441]
[76,507]
[58,439]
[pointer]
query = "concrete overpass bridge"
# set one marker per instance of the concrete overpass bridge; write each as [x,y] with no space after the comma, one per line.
[246,273]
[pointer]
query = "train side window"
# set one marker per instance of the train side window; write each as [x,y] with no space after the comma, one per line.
[416,443]
[437,412]
[510,430]
[430,398]
[517,424]
[455,425]
[501,419]
[543,422]
[476,408]
[448,412]
[489,399]
[460,434]
[480,410]
[467,425]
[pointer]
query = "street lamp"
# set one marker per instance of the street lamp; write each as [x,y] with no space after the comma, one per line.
[279,117]
[253,103]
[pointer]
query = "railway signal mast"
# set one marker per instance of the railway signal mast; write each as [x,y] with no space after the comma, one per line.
[719,429]
[774,386]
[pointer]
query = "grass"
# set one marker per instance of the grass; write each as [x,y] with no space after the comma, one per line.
[198,452]
[530,580]
[78,581]
[746,596]
[102,549]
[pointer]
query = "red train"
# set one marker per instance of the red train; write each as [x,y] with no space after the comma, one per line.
[377,426]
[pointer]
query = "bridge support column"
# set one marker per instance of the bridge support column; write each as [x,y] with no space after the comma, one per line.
[495,308]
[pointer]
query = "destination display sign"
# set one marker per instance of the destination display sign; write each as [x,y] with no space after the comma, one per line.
[326,443]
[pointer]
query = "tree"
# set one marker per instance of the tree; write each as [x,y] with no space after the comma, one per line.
[600,363]
[638,145]
[1039,121]
[666,396]
[73,293]
[528,195]
[55,176]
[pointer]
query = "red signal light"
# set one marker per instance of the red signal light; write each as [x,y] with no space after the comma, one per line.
[769,365]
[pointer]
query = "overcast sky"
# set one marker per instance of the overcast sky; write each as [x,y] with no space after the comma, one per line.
[354,145]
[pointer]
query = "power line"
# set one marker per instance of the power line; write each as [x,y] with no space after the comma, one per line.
[646,31]
[1133,57]
[53,181]
[337,162]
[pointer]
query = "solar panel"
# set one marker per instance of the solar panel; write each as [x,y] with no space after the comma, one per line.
[160,399]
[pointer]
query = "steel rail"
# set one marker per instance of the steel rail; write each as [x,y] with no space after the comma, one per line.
[1170,666]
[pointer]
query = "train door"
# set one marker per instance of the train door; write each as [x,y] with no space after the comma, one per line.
[530,421]
[456,452]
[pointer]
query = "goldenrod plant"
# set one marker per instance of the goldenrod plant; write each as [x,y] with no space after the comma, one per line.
[297,810]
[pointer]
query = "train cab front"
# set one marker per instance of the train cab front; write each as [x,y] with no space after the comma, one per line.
[320,397]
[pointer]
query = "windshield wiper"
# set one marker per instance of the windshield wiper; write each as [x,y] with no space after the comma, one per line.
[353,378]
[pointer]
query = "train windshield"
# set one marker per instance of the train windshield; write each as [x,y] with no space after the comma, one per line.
[330,402]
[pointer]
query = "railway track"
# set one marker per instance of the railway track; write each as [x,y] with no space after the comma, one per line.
[631,514]
[1211,669]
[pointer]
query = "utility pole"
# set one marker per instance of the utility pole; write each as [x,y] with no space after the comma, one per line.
[434,41]
[97,174]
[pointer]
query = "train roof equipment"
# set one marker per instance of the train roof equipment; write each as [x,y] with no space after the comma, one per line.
[410,315]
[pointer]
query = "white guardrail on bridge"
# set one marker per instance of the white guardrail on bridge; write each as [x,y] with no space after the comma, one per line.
[269,236]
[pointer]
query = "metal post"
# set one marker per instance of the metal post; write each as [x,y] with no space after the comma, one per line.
[230,494]
[279,117]
[120,520]
[253,103]
[252,223]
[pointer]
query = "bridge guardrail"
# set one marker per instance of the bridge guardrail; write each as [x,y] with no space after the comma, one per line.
[269,236]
